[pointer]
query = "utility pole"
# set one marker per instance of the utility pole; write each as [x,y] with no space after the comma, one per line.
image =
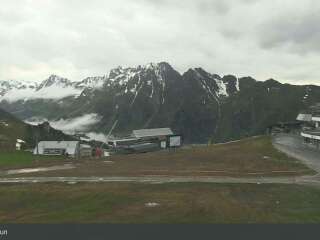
[36,134]
[110,131]
[112,128]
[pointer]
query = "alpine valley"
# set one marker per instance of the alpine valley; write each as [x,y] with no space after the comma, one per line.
[200,105]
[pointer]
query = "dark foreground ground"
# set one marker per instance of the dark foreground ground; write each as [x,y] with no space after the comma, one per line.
[248,197]
[178,203]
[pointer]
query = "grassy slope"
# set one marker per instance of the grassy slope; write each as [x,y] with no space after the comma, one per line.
[179,203]
[249,157]
[18,129]
[15,129]
[253,155]
[26,159]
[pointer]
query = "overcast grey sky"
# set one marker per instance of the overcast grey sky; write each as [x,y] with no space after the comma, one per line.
[76,38]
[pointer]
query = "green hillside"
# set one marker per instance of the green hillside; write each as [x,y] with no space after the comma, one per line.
[11,129]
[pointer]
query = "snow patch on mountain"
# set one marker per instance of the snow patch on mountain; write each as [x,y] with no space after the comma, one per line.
[237,85]
[208,82]
[92,82]
[308,92]
[222,88]
[121,76]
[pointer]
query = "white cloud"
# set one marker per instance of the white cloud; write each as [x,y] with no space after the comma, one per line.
[97,136]
[76,39]
[52,92]
[70,126]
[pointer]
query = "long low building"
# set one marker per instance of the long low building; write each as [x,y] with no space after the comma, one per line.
[159,133]
[147,139]
[66,148]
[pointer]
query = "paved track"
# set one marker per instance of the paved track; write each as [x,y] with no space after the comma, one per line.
[293,146]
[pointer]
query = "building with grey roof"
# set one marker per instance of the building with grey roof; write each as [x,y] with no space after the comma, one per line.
[150,133]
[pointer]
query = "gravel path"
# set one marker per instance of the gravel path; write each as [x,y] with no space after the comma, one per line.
[153,179]
[33,170]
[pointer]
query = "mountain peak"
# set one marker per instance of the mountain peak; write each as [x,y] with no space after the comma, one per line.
[55,80]
[212,83]
[200,73]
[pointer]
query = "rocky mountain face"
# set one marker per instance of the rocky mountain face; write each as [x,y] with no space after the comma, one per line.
[200,105]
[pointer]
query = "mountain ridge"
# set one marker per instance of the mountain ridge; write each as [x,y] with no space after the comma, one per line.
[99,81]
[198,104]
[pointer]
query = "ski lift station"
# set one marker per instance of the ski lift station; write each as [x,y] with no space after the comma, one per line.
[144,140]
[66,148]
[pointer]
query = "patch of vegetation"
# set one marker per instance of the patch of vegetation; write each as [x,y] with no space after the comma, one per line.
[178,203]
[12,128]
[25,159]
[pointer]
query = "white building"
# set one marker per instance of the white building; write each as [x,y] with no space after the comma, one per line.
[85,150]
[311,131]
[316,120]
[69,148]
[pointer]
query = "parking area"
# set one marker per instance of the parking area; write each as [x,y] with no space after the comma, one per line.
[294,146]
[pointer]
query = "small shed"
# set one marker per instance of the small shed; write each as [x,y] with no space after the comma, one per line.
[70,148]
[316,120]
[85,150]
[20,144]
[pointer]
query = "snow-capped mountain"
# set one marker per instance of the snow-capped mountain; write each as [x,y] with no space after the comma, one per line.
[55,80]
[54,88]
[197,104]
[6,86]
[151,80]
